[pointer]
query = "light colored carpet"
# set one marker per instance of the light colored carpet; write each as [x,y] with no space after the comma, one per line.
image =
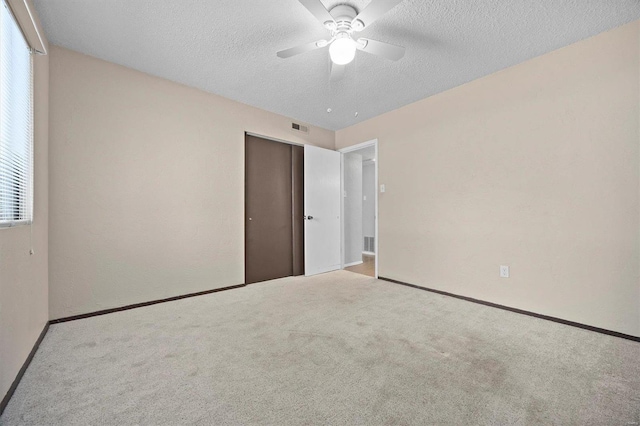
[338,348]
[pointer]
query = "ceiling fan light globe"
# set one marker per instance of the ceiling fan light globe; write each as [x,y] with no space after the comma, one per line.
[342,51]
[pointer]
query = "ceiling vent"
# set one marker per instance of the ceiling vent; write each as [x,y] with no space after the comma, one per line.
[299,128]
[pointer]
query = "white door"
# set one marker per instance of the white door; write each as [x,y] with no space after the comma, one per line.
[322,210]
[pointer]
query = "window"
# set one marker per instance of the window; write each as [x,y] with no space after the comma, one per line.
[16,123]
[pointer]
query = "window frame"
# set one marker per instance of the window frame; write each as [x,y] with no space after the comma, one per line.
[12,223]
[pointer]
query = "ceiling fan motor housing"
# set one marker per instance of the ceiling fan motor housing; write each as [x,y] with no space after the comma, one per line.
[344,15]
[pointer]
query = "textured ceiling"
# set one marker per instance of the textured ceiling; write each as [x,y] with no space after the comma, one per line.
[228,47]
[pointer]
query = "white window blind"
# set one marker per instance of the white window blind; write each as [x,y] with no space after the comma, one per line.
[16,123]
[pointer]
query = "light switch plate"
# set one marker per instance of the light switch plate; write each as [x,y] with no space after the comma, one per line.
[382,188]
[504,271]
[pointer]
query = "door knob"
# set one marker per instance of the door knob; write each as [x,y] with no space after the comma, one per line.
[308,217]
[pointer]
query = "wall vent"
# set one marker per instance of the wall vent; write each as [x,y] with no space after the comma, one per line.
[299,128]
[369,244]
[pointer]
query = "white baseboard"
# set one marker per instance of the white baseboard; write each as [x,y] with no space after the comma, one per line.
[368,253]
[353,264]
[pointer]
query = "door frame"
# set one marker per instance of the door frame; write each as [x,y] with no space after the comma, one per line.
[343,151]
[270,138]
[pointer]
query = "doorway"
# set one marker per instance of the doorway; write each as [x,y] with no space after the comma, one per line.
[274,202]
[360,208]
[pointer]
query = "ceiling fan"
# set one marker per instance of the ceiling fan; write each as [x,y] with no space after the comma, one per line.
[343,21]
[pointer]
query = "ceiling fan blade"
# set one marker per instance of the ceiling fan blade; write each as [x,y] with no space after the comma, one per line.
[287,53]
[375,10]
[318,10]
[380,48]
[337,71]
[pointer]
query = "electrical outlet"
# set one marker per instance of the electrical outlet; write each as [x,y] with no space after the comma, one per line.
[504,271]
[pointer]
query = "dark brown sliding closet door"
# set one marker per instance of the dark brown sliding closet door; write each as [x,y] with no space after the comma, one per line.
[297,170]
[269,207]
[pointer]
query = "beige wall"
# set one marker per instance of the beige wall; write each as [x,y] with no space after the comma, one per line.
[146,187]
[23,278]
[535,167]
